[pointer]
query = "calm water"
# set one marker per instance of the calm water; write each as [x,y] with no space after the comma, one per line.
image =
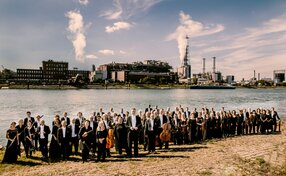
[15,103]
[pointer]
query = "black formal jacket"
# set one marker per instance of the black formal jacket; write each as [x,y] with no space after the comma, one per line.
[46,130]
[61,138]
[76,129]
[148,126]
[26,120]
[129,123]
[158,120]
[68,120]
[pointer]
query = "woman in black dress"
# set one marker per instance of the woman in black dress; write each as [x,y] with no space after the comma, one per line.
[21,127]
[85,135]
[55,150]
[120,133]
[101,135]
[29,136]
[11,152]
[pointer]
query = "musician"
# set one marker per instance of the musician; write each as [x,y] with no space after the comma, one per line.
[263,119]
[36,125]
[176,133]
[93,125]
[200,127]
[29,118]
[64,138]
[192,128]
[100,113]
[246,122]
[66,118]
[239,122]
[56,118]
[269,124]
[276,120]
[44,131]
[161,119]
[21,127]
[74,136]
[11,151]
[108,125]
[101,135]
[133,125]
[80,119]
[151,127]
[120,133]
[29,133]
[233,122]
[149,109]
[85,133]
[55,148]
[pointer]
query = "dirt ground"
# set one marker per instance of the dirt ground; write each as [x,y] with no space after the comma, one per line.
[245,155]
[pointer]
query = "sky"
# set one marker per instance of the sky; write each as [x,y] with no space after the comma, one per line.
[243,35]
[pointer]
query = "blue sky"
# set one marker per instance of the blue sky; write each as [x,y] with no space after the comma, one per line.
[243,35]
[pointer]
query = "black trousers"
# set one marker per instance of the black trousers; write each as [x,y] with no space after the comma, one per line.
[65,149]
[44,147]
[19,146]
[36,141]
[133,137]
[74,143]
[28,147]
[101,150]
[151,141]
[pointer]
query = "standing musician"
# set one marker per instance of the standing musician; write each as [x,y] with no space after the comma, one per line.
[29,118]
[11,151]
[80,119]
[29,133]
[21,127]
[36,125]
[151,128]
[176,133]
[120,133]
[276,120]
[64,138]
[55,148]
[161,119]
[93,125]
[133,125]
[74,136]
[44,131]
[66,118]
[101,134]
[85,136]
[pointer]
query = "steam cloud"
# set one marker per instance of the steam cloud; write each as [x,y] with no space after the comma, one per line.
[193,29]
[76,28]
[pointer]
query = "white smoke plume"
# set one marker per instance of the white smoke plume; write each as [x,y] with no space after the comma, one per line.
[191,28]
[76,28]
[118,26]
[83,2]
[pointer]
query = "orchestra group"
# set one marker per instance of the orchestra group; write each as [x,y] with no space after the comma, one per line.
[93,137]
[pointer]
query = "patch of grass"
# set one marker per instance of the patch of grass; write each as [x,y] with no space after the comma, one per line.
[205,173]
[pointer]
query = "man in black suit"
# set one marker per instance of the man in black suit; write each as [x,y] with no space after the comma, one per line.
[133,125]
[100,113]
[93,124]
[66,118]
[276,120]
[74,136]
[64,138]
[29,118]
[160,120]
[44,131]
[150,131]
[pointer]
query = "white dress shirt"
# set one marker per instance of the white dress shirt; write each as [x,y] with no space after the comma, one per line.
[73,130]
[91,125]
[161,120]
[42,136]
[64,132]
[152,124]
[133,121]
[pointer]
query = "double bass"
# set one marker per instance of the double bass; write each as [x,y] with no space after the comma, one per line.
[110,139]
[165,135]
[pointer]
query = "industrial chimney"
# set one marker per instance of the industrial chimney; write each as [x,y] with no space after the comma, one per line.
[214,64]
[204,66]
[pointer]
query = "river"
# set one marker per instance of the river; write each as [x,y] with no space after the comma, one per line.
[15,103]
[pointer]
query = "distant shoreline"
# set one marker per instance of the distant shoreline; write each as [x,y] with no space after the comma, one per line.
[118,86]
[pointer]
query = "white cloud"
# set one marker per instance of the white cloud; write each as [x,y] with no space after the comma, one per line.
[106,52]
[191,28]
[83,2]
[124,9]
[76,28]
[118,26]
[91,56]
[260,48]
[122,52]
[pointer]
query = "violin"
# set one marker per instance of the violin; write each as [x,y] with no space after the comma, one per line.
[110,139]
[165,135]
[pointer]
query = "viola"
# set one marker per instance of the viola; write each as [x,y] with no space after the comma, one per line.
[165,135]
[110,139]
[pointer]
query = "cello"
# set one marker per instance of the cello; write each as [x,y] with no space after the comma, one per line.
[165,135]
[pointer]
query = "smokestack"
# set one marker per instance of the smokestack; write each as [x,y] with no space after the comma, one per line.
[254,75]
[214,64]
[93,67]
[258,76]
[204,65]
